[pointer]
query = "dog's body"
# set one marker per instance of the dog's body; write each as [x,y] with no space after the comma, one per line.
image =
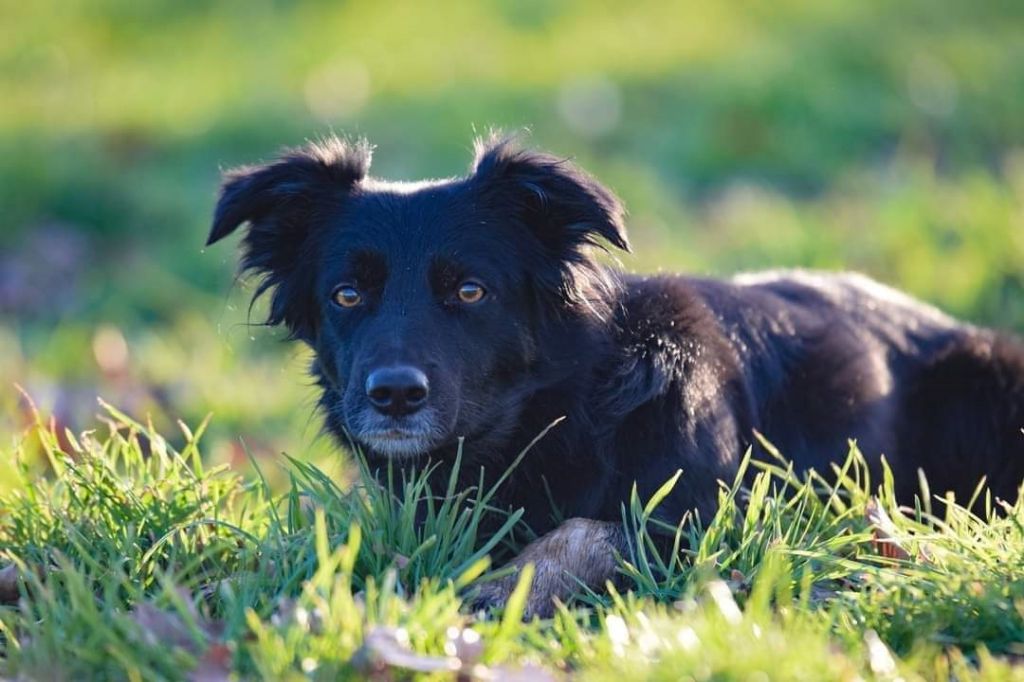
[472,308]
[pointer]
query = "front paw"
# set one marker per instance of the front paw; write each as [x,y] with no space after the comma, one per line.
[540,601]
[580,551]
[489,596]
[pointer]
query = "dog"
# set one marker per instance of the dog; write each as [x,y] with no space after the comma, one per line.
[477,308]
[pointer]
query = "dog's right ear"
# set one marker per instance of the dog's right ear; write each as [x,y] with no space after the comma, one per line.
[281,201]
[251,193]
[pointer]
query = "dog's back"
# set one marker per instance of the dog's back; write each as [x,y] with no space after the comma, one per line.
[828,357]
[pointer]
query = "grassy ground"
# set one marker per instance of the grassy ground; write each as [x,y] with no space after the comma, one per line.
[134,561]
[861,134]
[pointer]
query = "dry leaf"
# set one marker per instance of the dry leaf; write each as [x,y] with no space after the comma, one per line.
[386,648]
[168,628]
[9,579]
[526,673]
[884,532]
[880,659]
[214,666]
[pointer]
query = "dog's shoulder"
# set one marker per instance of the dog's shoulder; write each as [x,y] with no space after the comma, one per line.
[666,335]
[659,312]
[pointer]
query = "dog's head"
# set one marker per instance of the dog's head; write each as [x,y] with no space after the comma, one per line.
[435,308]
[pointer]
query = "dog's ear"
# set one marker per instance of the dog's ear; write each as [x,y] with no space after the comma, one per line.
[283,202]
[563,205]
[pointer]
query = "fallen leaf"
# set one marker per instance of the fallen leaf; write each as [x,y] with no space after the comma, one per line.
[169,628]
[880,659]
[214,666]
[160,626]
[721,595]
[385,648]
[884,532]
[9,579]
[526,673]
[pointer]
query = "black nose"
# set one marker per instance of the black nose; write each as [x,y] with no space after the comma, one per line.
[397,391]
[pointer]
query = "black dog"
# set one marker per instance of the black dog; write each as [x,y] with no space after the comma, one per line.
[473,307]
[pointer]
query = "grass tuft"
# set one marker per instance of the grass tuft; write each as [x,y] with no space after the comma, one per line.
[133,561]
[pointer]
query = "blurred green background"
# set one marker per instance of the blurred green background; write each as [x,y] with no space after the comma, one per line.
[866,134]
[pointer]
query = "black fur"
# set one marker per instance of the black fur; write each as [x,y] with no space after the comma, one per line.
[652,374]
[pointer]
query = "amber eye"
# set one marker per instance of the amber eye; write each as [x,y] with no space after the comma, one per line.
[347,297]
[471,292]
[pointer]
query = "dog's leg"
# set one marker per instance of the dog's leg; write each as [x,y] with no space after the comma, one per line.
[578,551]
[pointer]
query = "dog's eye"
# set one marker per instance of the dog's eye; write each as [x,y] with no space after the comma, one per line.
[347,297]
[471,292]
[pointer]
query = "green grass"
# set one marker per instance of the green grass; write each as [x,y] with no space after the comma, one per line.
[131,560]
[862,134]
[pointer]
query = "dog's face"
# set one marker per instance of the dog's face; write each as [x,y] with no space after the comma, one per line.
[432,307]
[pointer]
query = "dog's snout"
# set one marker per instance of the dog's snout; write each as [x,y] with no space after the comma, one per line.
[397,391]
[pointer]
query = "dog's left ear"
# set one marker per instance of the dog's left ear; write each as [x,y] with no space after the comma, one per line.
[562,204]
[283,203]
